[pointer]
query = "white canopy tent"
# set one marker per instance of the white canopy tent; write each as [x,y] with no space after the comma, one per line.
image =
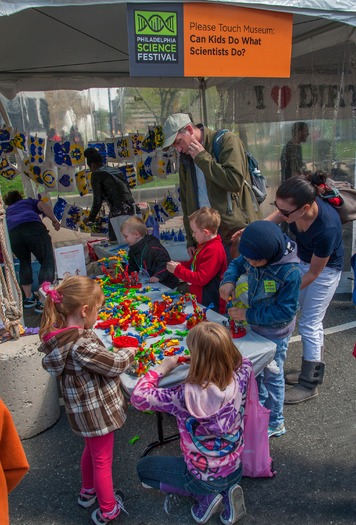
[54,44]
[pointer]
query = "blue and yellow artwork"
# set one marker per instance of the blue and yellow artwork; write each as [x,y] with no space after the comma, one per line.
[76,153]
[61,153]
[18,141]
[5,141]
[170,205]
[136,143]
[71,217]
[66,177]
[7,170]
[33,171]
[143,176]
[81,182]
[159,138]
[45,197]
[36,149]
[110,150]
[59,208]
[130,174]
[123,151]
[149,143]
[100,147]
[49,178]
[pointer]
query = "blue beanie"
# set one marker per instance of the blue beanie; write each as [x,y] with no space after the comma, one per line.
[262,240]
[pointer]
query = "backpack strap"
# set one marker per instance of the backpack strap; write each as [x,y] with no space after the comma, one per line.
[217,146]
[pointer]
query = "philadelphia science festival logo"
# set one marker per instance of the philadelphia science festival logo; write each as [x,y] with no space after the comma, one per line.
[156,34]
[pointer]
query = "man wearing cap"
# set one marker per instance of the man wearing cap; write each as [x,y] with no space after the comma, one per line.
[207,181]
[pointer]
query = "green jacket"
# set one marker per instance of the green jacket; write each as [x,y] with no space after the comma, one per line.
[225,185]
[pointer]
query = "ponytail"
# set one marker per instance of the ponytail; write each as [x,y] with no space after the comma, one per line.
[70,295]
[299,189]
[319,178]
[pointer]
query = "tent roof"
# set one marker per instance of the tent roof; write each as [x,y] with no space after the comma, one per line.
[52,46]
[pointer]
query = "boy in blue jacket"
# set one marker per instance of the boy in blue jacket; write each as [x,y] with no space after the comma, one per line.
[270,261]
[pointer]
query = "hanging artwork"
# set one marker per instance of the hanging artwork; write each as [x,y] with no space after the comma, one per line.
[81,183]
[101,226]
[147,164]
[82,226]
[123,151]
[33,171]
[159,138]
[45,197]
[166,208]
[59,208]
[149,143]
[158,165]
[61,153]
[143,176]
[171,206]
[76,154]
[136,143]
[50,177]
[130,174]
[7,170]
[36,149]
[18,141]
[5,141]
[100,147]
[88,175]
[71,217]
[66,177]
[110,150]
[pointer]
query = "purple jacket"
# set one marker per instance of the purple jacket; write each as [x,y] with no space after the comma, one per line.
[210,421]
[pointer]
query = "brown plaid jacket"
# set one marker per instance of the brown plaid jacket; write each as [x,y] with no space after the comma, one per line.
[89,377]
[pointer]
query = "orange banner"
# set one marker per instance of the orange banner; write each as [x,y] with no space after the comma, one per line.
[228,41]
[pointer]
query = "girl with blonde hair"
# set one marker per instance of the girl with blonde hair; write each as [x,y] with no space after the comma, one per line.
[89,377]
[209,409]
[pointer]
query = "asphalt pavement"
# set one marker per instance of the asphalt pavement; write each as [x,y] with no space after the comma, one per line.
[315,460]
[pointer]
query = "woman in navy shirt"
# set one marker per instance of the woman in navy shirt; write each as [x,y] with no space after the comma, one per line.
[317,229]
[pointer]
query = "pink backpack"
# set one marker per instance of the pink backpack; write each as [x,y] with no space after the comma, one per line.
[255,457]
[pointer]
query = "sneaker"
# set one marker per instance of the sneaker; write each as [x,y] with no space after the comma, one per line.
[39,308]
[277,431]
[30,302]
[206,507]
[86,499]
[100,518]
[234,505]
[170,501]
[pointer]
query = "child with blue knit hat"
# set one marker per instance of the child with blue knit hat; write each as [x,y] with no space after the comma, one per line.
[269,258]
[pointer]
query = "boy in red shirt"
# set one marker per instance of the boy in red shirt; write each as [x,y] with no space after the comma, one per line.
[205,270]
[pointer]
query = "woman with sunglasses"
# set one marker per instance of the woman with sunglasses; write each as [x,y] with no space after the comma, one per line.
[317,229]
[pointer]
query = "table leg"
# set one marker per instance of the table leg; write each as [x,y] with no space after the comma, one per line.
[161,439]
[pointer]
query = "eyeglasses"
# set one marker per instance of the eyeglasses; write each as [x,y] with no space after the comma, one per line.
[287,213]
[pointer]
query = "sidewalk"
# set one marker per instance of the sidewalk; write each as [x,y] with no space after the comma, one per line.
[315,460]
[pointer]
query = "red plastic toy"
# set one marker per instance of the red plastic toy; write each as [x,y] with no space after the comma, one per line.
[236,330]
[124,341]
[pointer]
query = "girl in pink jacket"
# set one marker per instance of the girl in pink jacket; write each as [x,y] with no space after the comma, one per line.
[209,409]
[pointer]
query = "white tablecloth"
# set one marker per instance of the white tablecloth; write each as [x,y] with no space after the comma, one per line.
[253,346]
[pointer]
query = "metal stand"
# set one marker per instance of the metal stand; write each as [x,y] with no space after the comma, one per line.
[161,439]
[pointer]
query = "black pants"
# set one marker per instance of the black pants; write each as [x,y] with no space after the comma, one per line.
[33,238]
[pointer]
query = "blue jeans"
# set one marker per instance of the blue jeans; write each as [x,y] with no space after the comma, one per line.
[271,386]
[171,470]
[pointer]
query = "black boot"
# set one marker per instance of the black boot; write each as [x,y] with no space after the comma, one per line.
[310,377]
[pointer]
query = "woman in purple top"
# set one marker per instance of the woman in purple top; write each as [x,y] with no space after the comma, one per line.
[209,409]
[28,235]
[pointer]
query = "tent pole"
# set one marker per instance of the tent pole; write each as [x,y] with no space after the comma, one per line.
[202,91]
